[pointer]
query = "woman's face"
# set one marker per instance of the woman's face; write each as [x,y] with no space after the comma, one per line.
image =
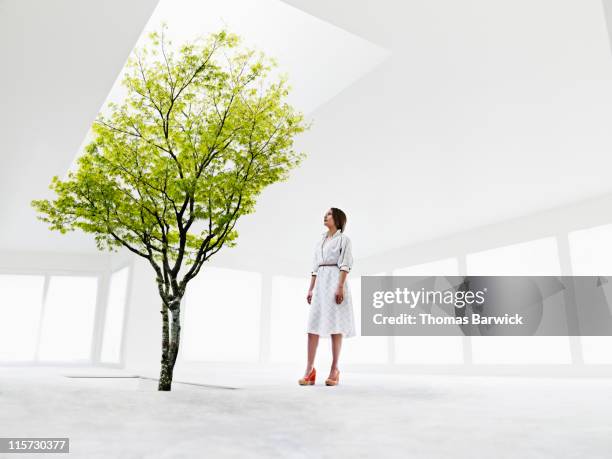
[328,219]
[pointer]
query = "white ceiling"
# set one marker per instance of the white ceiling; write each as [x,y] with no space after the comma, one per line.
[486,110]
[445,115]
[319,58]
[59,61]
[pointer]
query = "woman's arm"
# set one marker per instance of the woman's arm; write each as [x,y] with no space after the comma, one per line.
[346,264]
[313,279]
[340,289]
[313,272]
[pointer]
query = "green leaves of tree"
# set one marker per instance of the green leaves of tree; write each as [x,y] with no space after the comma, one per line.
[202,131]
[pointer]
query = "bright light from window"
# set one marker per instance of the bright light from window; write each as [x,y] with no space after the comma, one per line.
[533,258]
[20,304]
[68,318]
[115,313]
[445,267]
[591,251]
[591,254]
[429,349]
[363,349]
[222,316]
[288,319]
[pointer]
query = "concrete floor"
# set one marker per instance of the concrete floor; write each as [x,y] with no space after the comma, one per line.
[388,416]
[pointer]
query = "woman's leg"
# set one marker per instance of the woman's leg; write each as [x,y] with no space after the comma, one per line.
[336,340]
[313,342]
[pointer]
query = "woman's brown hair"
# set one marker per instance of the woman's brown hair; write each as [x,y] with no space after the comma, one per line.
[339,218]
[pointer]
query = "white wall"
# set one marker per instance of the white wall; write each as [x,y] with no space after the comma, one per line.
[280,306]
[143,324]
[143,334]
[502,241]
[66,285]
[278,310]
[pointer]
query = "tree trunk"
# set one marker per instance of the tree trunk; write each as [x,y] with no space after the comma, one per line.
[165,376]
[170,343]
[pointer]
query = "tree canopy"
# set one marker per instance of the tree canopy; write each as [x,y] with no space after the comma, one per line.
[202,130]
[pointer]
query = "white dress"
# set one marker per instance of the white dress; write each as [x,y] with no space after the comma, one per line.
[325,316]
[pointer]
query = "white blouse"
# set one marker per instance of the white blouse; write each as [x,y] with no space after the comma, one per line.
[336,250]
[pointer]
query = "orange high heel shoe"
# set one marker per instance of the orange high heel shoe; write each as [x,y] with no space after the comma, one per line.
[308,380]
[333,381]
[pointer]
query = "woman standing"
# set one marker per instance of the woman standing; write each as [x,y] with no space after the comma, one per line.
[329,295]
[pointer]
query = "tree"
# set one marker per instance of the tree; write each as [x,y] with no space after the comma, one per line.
[201,132]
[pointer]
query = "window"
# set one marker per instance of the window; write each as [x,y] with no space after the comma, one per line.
[288,317]
[68,318]
[363,349]
[534,258]
[591,255]
[429,349]
[114,317]
[20,306]
[445,267]
[222,316]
